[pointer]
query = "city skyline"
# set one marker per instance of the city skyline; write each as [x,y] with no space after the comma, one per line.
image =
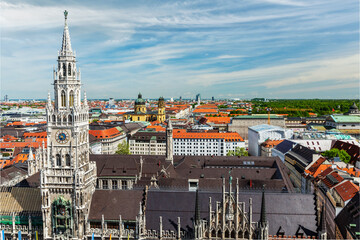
[250,49]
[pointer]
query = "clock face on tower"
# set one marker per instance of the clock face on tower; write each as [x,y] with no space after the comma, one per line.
[62,136]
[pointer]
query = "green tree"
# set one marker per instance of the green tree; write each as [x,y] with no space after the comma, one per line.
[238,152]
[342,154]
[123,148]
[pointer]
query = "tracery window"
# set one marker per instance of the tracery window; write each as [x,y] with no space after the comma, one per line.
[71,101]
[58,160]
[67,160]
[64,69]
[69,69]
[63,98]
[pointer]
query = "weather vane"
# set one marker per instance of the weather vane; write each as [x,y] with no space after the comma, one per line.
[65,14]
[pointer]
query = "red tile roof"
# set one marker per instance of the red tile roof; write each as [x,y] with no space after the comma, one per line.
[347,190]
[205,111]
[21,144]
[35,135]
[271,143]
[207,106]
[9,138]
[157,128]
[106,133]
[218,120]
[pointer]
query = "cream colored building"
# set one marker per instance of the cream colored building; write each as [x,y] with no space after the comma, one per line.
[148,143]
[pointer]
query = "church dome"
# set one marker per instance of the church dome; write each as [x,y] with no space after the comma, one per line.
[354,107]
[139,100]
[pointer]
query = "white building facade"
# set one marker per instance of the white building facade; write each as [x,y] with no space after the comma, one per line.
[206,144]
[260,133]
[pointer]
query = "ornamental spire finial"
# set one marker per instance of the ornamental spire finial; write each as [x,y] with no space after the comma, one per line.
[66,44]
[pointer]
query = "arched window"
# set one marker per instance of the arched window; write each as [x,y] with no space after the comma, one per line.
[70,119]
[71,98]
[63,98]
[58,160]
[69,69]
[64,69]
[68,160]
[54,118]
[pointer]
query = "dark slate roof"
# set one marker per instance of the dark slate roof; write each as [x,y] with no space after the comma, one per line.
[285,146]
[349,215]
[251,171]
[9,173]
[129,127]
[285,210]
[302,154]
[113,203]
[32,181]
[146,136]
[12,131]
[115,165]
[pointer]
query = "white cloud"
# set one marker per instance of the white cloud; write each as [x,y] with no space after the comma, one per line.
[342,68]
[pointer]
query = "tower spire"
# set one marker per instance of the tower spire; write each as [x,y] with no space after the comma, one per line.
[66,43]
[197,208]
[263,209]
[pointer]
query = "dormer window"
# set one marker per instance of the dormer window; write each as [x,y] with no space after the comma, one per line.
[193,184]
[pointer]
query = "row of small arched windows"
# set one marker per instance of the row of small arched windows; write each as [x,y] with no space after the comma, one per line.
[64,68]
[68,118]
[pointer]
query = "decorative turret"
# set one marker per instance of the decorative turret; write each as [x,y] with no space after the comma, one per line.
[353,110]
[140,104]
[161,110]
[169,143]
[198,225]
[322,225]
[263,228]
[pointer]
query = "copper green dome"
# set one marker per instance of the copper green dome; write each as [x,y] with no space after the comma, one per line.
[139,100]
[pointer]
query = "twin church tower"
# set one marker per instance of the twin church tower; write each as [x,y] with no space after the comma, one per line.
[67,176]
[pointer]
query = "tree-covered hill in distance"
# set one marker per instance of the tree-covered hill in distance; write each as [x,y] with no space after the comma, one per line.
[302,107]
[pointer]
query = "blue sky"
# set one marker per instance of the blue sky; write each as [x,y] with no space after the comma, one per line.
[225,49]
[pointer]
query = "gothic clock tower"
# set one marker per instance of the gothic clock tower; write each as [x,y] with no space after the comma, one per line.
[68,177]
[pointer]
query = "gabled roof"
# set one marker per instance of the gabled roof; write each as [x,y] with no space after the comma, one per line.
[347,190]
[112,204]
[287,211]
[302,153]
[18,200]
